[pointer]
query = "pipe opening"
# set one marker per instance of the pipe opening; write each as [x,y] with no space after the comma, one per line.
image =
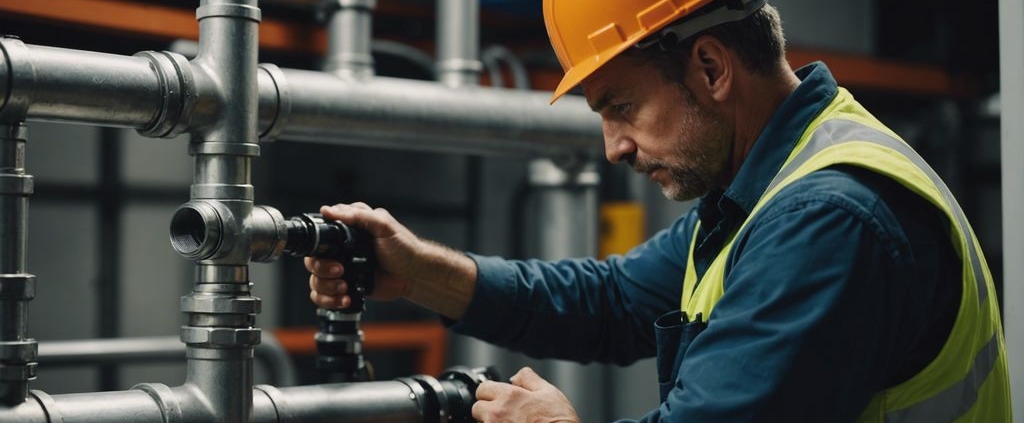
[188,231]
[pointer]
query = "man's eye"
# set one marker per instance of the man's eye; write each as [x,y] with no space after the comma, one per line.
[622,108]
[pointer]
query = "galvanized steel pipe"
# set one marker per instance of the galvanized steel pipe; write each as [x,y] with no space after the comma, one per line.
[17,287]
[162,94]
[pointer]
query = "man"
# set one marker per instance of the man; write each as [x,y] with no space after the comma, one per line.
[825,276]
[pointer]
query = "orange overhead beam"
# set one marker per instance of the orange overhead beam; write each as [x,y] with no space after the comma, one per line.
[166,22]
[157,21]
[426,338]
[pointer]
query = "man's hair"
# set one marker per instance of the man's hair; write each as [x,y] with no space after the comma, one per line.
[756,39]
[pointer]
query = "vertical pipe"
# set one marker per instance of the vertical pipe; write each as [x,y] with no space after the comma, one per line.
[17,351]
[349,35]
[458,42]
[564,216]
[221,330]
[1011,53]
[109,245]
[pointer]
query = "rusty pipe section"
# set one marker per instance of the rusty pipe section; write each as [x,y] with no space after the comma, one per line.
[161,94]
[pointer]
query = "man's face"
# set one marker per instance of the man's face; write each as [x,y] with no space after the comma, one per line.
[659,128]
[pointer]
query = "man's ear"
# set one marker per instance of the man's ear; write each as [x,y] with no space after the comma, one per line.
[713,67]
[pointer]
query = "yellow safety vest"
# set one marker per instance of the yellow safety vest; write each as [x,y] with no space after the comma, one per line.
[968,380]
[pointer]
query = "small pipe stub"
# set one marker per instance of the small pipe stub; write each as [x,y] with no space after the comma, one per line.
[197,229]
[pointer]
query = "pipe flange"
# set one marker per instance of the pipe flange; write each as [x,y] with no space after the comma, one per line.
[440,398]
[19,74]
[220,336]
[179,94]
[243,11]
[17,287]
[283,111]
[19,351]
[220,305]
[15,184]
[164,397]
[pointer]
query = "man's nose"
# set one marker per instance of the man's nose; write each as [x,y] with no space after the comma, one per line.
[617,144]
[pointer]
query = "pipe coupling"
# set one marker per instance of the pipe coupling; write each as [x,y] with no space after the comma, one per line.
[178,85]
[268,233]
[275,102]
[199,229]
[16,74]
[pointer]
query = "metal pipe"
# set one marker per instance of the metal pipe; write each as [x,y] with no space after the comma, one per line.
[417,399]
[424,116]
[563,215]
[47,83]
[161,94]
[1011,54]
[17,287]
[156,349]
[458,42]
[349,35]
[221,330]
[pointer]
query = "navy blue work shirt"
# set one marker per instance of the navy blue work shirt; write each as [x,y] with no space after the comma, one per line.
[844,285]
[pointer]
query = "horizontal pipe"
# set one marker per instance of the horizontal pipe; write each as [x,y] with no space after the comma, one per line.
[49,83]
[420,399]
[156,94]
[418,115]
[155,349]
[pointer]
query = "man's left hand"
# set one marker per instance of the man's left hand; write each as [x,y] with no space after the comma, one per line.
[528,399]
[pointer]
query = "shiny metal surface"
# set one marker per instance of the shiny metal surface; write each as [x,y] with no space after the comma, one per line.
[349,35]
[17,287]
[297,105]
[458,42]
[425,116]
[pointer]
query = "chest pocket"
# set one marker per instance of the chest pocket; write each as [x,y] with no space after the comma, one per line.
[674,332]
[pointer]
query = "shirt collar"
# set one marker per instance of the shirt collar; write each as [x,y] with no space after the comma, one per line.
[778,138]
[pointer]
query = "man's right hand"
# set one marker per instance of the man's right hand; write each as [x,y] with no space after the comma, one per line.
[407,266]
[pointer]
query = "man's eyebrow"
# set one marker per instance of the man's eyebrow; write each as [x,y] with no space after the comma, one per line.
[602,102]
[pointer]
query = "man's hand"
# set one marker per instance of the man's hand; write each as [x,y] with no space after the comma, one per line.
[528,399]
[394,245]
[407,267]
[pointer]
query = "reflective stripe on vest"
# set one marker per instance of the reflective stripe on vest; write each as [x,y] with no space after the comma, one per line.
[973,348]
[835,131]
[957,399]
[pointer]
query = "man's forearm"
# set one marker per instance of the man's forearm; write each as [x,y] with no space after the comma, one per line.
[444,282]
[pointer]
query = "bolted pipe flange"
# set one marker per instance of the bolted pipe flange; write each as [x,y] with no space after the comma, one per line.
[220,337]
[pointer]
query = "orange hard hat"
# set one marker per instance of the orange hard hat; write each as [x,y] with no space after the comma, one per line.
[586,34]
